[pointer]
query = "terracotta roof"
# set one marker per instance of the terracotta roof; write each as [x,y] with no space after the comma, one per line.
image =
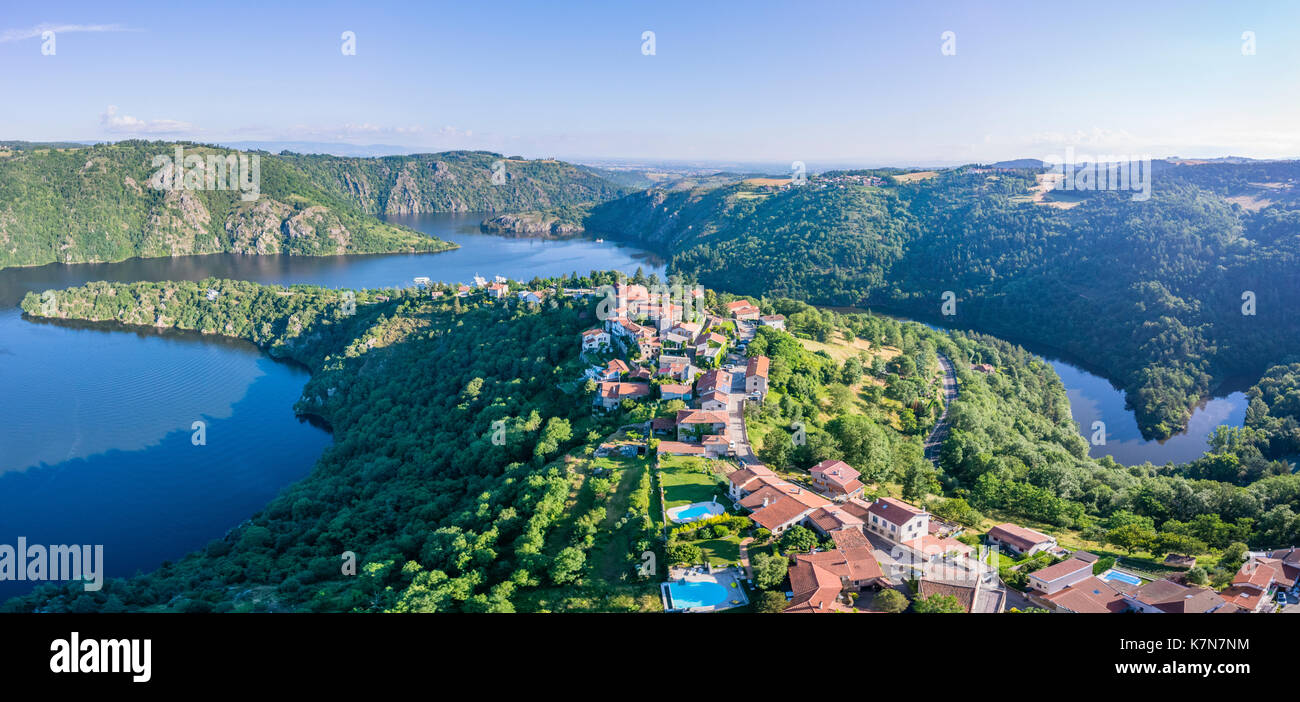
[594,332]
[832,517]
[1169,596]
[778,513]
[894,511]
[741,478]
[1018,536]
[694,416]
[674,389]
[681,448]
[757,366]
[1090,596]
[617,365]
[856,564]
[965,594]
[1060,570]
[815,589]
[1259,572]
[837,472]
[714,379]
[661,423]
[850,537]
[1245,597]
[737,304]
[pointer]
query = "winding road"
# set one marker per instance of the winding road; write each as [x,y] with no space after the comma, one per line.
[940,431]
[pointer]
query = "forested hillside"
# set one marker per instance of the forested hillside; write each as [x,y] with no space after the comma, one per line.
[99,203]
[455,181]
[1152,292]
[454,420]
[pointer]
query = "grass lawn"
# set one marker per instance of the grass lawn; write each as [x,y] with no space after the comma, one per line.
[721,552]
[683,482]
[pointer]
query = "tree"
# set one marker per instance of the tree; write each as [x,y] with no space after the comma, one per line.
[568,564]
[775,452]
[685,553]
[1233,554]
[1131,537]
[1196,575]
[797,539]
[890,600]
[769,602]
[769,570]
[938,604]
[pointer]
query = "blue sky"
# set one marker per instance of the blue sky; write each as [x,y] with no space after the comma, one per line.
[752,81]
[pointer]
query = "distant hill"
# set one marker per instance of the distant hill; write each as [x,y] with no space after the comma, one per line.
[1151,292]
[455,181]
[98,203]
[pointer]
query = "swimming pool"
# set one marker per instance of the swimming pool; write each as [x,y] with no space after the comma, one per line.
[697,594]
[1121,577]
[694,511]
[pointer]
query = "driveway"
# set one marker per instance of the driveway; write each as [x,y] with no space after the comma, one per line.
[940,431]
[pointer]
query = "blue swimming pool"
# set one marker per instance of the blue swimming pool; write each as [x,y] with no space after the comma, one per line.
[1121,577]
[697,511]
[697,594]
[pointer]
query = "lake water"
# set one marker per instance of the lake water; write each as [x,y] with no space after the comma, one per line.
[96,437]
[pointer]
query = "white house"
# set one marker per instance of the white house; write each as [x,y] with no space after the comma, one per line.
[594,339]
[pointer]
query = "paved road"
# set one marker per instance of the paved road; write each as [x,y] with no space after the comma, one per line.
[736,430]
[940,431]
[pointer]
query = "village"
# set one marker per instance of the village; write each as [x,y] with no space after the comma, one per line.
[669,350]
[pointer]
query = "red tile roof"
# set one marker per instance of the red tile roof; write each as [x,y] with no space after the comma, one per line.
[1090,596]
[1060,570]
[1018,536]
[894,511]
[757,367]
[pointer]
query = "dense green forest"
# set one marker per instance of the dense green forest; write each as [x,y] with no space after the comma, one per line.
[1168,297]
[99,203]
[454,419]
[455,181]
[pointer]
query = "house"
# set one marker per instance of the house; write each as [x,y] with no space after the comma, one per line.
[742,309]
[981,367]
[1054,578]
[836,479]
[778,505]
[756,377]
[747,480]
[422,282]
[693,423]
[676,367]
[897,521]
[964,592]
[715,379]
[715,401]
[1092,595]
[1019,540]
[821,581]
[640,374]
[1169,597]
[613,370]
[532,297]
[498,290]
[680,448]
[595,339]
[213,294]
[610,394]
[716,445]
[1261,577]
[776,321]
[675,391]
[929,548]
[834,518]
[463,290]
[663,426]
[710,346]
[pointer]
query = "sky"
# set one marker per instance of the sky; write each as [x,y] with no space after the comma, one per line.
[829,82]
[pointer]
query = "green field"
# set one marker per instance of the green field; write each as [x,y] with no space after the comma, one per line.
[685,482]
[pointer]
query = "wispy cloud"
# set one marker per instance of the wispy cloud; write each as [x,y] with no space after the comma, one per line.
[9,35]
[126,124]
